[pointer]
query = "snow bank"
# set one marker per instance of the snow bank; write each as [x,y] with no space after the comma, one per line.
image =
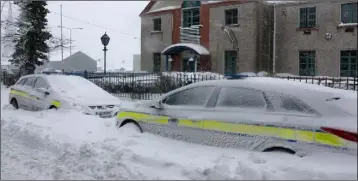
[68,145]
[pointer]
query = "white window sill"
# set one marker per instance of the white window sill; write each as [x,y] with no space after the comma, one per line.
[233,25]
[343,25]
[155,32]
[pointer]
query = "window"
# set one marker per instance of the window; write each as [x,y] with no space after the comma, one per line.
[157,24]
[41,83]
[349,13]
[156,62]
[308,17]
[188,66]
[191,13]
[22,81]
[197,96]
[230,62]
[307,63]
[30,81]
[349,63]
[231,16]
[286,103]
[240,97]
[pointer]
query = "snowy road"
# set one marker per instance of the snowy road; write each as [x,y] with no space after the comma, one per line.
[68,145]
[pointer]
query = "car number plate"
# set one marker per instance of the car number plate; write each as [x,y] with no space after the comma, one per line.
[104,114]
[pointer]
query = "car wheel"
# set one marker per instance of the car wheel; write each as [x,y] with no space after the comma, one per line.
[53,107]
[131,126]
[14,103]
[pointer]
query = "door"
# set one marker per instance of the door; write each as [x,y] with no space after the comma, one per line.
[39,99]
[18,93]
[185,111]
[28,88]
[236,117]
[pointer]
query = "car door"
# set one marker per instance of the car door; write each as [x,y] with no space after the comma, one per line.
[235,118]
[295,114]
[18,93]
[39,99]
[27,88]
[183,111]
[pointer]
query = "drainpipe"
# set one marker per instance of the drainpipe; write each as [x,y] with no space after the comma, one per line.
[274,40]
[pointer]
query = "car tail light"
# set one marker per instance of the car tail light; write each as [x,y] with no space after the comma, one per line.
[350,136]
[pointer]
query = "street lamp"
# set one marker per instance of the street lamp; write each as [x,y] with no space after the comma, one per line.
[70,35]
[105,40]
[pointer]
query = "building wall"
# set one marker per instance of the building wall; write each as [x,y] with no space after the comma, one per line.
[290,39]
[136,63]
[154,42]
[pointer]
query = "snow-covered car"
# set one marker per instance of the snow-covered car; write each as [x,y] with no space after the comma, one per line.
[256,113]
[39,92]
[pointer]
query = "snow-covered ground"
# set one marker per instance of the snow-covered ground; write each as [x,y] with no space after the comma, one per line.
[69,145]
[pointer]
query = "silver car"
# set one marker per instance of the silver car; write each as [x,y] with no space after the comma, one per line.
[262,114]
[39,92]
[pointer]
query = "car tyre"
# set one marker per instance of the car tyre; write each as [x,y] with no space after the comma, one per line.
[14,103]
[280,150]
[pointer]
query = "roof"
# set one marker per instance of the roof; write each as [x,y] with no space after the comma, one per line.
[185,46]
[78,54]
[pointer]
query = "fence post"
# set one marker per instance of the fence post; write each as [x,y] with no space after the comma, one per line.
[85,74]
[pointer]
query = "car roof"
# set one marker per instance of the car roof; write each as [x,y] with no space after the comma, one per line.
[276,85]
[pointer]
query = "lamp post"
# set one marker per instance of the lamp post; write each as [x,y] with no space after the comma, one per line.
[105,40]
[70,35]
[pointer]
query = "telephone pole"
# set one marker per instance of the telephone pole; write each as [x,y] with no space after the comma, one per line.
[61,35]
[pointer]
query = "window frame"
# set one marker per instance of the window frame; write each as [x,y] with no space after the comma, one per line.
[47,84]
[303,72]
[194,106]
[157,24]
[263,109]
[32,84]
[352,11]
[231,15]
[306,17]
[349,63]
[154,57]
[191,9]
[234,65]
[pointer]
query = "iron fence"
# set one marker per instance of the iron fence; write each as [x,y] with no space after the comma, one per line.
[146,86]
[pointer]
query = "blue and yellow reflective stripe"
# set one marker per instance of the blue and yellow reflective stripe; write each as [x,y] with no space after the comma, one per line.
[291,134]
[19,93]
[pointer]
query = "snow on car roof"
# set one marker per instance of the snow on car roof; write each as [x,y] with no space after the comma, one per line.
[280,85]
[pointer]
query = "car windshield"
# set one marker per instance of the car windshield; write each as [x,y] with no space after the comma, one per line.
[74,85]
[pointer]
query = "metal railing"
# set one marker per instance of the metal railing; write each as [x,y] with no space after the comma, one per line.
[146,86]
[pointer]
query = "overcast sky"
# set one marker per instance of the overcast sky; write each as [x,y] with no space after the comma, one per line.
[120,19]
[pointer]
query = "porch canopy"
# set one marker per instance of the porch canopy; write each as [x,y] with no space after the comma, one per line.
[180,47]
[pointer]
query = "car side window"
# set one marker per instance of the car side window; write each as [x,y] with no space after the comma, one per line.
[30,81]
[21,82]
[41,83]
[287,103]
[240,97]
[197,96]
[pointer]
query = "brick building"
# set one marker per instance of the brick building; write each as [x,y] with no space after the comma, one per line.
[237,36]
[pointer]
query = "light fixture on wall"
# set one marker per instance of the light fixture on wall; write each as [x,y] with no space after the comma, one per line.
[328,36]
[170,59]
[191,59]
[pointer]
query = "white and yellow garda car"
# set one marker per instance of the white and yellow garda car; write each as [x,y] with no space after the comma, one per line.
[256,113]
[39,92]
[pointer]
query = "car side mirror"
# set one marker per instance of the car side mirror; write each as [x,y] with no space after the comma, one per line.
[158,104]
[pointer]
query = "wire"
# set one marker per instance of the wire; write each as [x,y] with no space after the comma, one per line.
[92,24]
